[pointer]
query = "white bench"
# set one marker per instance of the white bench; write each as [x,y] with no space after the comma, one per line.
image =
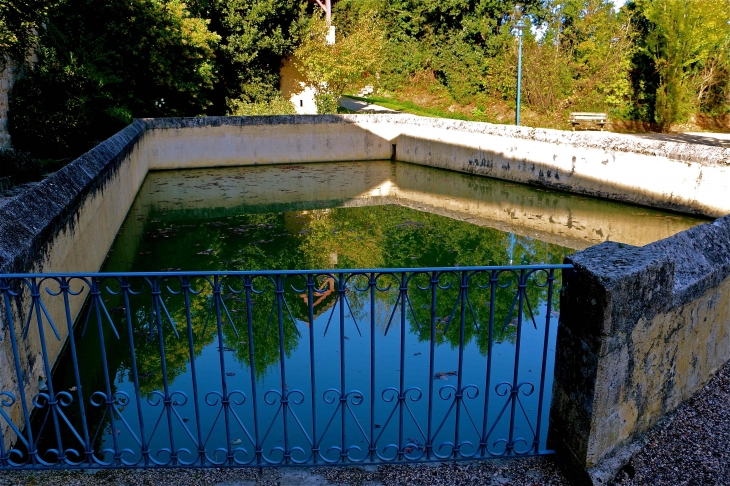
[579,117]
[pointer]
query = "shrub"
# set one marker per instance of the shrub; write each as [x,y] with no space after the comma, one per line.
[277,106]
[20,166]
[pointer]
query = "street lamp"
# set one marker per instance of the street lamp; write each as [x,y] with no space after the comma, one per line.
[520,28]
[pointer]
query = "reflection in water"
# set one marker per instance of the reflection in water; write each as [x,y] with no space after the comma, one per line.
[331,216]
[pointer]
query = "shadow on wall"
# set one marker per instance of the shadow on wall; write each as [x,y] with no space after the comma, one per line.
[649,180]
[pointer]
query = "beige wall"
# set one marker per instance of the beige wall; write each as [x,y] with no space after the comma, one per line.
[674,354]
[294,88]
[651,180]
[231,145]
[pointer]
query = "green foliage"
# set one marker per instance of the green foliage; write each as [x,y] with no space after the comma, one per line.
[277,106]
[20,166]
[256,36]
[103,62]
[58,110]
[580,60]
[687,40]
[333,69]
[19,21]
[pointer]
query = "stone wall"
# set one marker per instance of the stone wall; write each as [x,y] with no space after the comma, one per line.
[668,175]
[7,78]
[641,330]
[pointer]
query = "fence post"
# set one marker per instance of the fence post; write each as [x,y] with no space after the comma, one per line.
[611,288]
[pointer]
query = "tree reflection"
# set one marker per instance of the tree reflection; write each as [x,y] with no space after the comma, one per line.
[369,237]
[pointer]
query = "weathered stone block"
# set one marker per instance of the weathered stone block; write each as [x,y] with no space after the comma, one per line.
[641,330]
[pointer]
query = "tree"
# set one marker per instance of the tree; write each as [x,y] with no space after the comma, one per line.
[256,36]
[103,62]
[19,22]
[684,37]
[332,69]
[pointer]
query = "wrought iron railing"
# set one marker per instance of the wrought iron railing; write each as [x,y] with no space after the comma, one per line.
[275,368]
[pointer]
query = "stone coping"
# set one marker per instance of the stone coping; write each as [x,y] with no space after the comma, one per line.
[702,154]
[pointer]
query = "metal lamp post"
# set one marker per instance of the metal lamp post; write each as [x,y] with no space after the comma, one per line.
[520,28]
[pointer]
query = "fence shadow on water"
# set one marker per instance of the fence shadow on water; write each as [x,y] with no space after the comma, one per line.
[277,368]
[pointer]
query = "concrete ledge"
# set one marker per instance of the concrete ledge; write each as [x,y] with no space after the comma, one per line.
[703,154]
[641,330]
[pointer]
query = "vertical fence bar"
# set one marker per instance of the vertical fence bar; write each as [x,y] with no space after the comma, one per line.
[343,391]
[185,283]
[431,352]
[541,396]
[463,288]
[312,377]
[65,289]
[402,370]
[372,448]
[126,286]
[97,301]
[521,288]
[225,401]
[282,356]
[3,452]
[493,279]
[52,403]
[258,449]
[167,402]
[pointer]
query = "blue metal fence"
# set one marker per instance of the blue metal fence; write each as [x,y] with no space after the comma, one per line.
[204,369]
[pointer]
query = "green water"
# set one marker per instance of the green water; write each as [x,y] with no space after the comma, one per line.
[333,216]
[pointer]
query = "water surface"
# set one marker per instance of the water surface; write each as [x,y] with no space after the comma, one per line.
[337,216]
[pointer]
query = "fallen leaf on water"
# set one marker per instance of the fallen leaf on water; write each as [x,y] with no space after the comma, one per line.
[444,375]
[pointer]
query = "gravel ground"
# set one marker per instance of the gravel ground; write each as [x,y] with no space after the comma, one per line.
[690,447]
[527,472]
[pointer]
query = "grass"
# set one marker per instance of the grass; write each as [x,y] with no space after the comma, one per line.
[414,109]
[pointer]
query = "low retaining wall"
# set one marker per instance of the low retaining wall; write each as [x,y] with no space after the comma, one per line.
[669,175]
[641,330]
